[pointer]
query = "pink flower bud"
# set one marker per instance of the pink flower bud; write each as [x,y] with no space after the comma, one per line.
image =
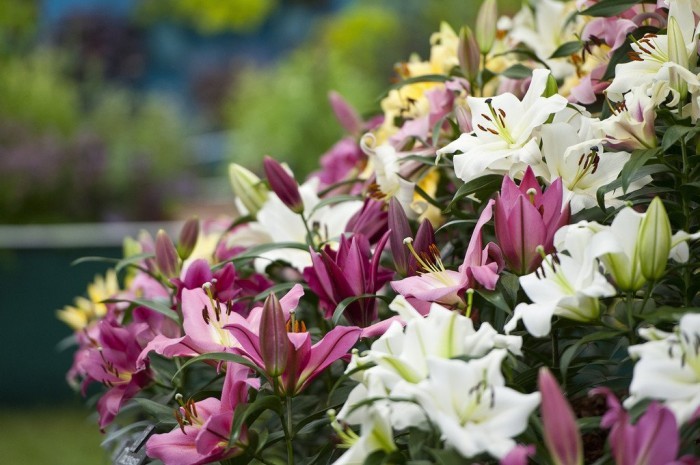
[468,54]
[283,184]
[561,434]
[188,238]
[274,343]
[166,255]
[346,114]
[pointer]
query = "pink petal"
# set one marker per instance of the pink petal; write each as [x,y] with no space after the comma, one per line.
[336,343]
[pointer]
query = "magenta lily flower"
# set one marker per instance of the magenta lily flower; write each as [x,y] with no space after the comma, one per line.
[435,283]
[205,322]
[112,361]
[527,219]
[204,426]
[370,220]
[304,361]
[653,440]
[351,271]
[561,434]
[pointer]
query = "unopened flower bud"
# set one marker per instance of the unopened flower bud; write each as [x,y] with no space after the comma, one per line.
[654,241]
[486,26]
[283,184]
[188,238]
[552,88]
[274,342]
[247,187]
[561,434]
[346,115]
[468,54]
[166,255]
[677,53]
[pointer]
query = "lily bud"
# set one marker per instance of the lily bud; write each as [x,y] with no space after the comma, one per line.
[561,434]
[400,229]
[486,26]
[167,259]
[247,187]
[188,238]
[274,342]
[677,53]
[346,115]
[468,54]
[552,88]
[283,184]
[654,240]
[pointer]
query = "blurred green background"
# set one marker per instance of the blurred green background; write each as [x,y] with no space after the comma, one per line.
[124,111]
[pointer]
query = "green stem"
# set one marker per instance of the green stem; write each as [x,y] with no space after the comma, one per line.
[288,431]
[309,235]
[555,348]
[260,459]
[630,316]
[686,215]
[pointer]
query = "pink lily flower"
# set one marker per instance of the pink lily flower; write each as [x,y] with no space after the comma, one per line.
[653,440]
[527,219]
[112,360]
[561,434]
[205,322]
[351,271]
[204,426]
[481,266]
[304,362]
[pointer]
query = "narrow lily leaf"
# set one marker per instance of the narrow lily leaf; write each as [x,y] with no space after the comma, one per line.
[249,412]
[571,351]
[676,133]
[281,287]
[484,186]
[220,356]
[567,49]
[132,261]
[160,411]
[517,71]
[638,159]
[346,302]
[608,8]
[152,304]
[332,201]
[638,174]
[254,252]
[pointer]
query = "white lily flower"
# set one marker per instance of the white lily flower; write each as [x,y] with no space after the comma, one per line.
[541,32]
[281,224]
[472,407]
[579,158]
[654,55]
[504,138]
[563,286]
[375,434]
[668,368]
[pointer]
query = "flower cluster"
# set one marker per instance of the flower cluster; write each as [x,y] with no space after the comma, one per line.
[500,264]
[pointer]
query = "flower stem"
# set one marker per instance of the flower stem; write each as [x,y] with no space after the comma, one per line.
[288,430]
[555,348]
[630,317]
[686,216]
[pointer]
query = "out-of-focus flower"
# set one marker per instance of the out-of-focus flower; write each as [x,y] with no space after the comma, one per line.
[486,26]
[668,368]
[561,434]
[249,190]
[167,257]
[525,218]
[85,311]
[503,140]
[653,440]
[188,238]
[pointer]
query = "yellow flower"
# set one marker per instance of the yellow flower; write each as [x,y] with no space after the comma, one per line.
[85,311]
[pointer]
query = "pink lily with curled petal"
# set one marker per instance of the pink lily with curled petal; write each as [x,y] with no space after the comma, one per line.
[204,322]
[304,361]
[204,426]
[481,267]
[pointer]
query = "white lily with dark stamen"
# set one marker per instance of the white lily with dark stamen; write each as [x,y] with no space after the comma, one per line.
[654,56]
[668,368]
[565,286]
[471,406]
[504,139]
[578,156]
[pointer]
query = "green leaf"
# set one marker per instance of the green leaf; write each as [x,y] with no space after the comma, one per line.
[676,133]
[254,252]
[152,304]
[224,357]
[638,159]
[340,308]
[568,356]
[495,298]
[332,201]
[281,287]
[517,71]
[567,49]
[484,185]
[616,184]
[609,8]
[82,260]
[159,411]
[249,412]
[132,261]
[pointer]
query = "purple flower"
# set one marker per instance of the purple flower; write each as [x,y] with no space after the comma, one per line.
[351,271]
[370,221]
[527,219]
[283,184]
